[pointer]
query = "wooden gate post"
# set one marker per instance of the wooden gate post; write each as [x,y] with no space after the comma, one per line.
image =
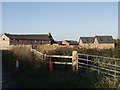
[74,61]
[44,59]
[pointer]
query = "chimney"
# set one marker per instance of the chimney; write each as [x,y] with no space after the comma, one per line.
[49,34]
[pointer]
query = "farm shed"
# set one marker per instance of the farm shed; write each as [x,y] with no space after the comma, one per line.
[70,42]
[26,39]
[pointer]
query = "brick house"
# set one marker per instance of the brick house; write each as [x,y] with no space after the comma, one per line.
[26,39]
[86,42]
[99,42]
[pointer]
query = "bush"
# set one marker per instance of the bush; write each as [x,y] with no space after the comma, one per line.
[23,53]
[107,83]
[61,51]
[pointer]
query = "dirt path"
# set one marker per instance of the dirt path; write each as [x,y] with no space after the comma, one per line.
[0,77]
[7,80]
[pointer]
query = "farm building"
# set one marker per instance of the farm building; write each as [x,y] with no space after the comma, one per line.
[99,42]
[70,42]
[59,42]
[28,39]
[86,42]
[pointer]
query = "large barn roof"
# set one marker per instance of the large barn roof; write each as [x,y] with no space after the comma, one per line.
[46,37]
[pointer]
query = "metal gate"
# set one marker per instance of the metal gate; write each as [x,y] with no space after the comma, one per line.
[93,65]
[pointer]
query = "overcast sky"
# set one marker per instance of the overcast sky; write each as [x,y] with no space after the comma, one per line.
[65,20]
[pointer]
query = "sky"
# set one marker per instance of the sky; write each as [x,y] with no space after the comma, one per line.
[119,20]
[65,20]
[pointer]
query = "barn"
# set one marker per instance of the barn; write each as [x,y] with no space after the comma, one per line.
[26,39]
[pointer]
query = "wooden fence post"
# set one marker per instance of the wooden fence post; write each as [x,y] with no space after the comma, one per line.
[74,61]
[45,57]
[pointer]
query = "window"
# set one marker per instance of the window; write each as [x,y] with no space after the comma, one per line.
[3,38]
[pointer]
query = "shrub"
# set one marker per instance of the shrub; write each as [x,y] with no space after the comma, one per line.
[61,51]
[22,52]
[106,82]
[26,57]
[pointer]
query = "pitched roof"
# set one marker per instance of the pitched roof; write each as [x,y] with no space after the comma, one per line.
[87,39]
[72,42]
[104,39]
[45,37]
